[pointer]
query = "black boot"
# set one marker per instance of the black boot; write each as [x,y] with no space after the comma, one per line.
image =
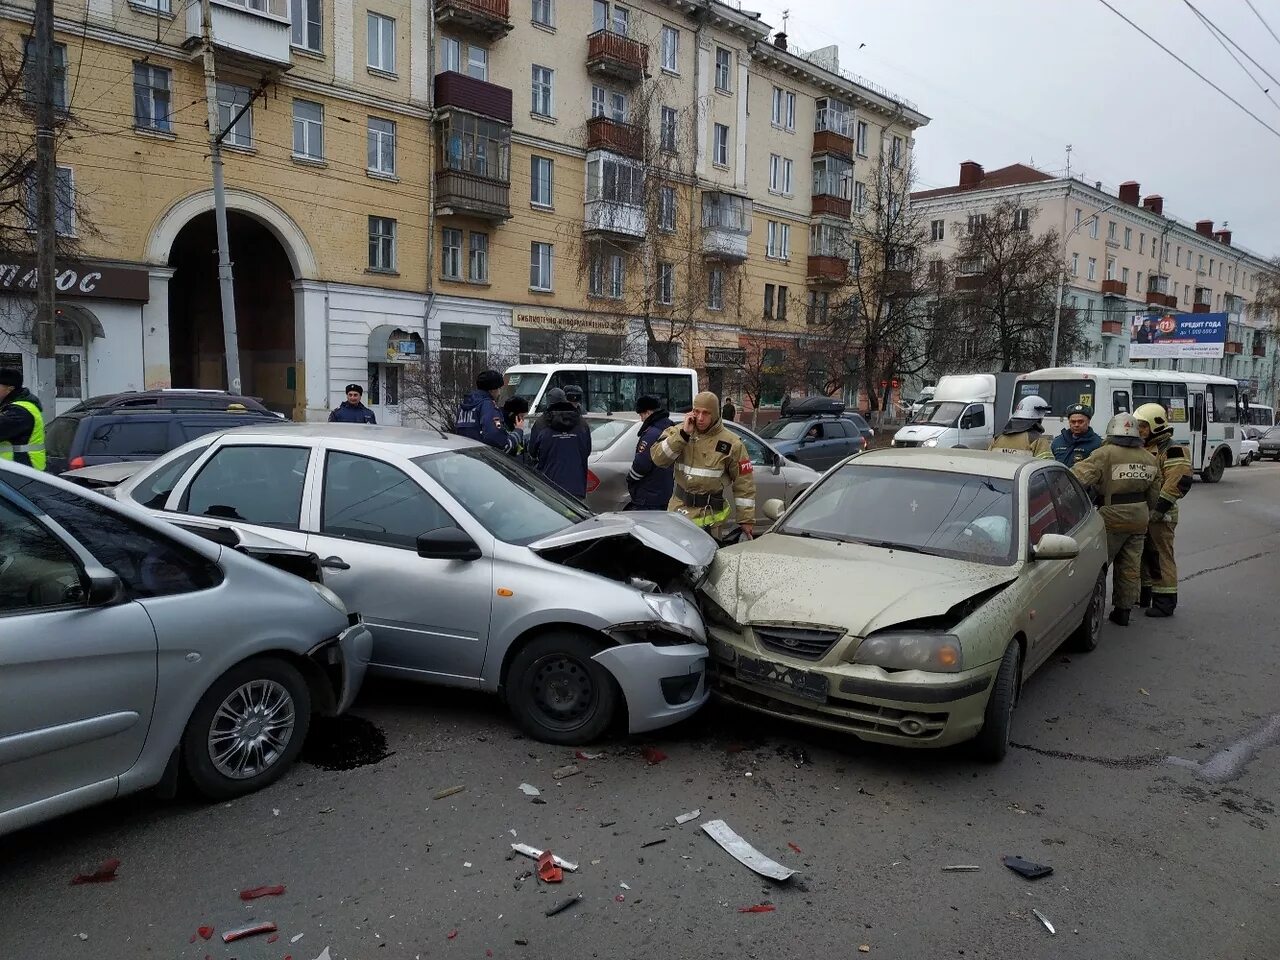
[1119,617]
[1163,604]
[1144,598]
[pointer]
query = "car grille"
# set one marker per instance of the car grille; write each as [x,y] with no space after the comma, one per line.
[798,642]
[906,443]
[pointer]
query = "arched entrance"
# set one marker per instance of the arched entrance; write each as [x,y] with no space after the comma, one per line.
[264,310]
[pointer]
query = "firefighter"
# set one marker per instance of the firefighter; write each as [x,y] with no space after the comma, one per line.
[1023,433]
[1126,481]
[21,422]
[1159,569]
[707,456]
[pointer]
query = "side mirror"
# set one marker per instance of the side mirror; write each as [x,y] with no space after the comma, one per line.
[448,543]
[1056,546]
[773,508]
[99,587]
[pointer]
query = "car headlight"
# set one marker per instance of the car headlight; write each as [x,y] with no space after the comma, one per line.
[931,442]
[935,652]
[893,443]
[329,597]
[716,615]
[677,615]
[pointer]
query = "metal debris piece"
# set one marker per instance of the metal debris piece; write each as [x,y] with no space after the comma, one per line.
[581,755]
[864,948]
[1043,919]
[253,893]
[758,908]
[624,886]
[529,790]
[252,931]
[296,937]
[744,853]
[563,905]
[449,791]
[569,770]
[691,815]
[961,868]
[324,954]
[653,843]
[533,853]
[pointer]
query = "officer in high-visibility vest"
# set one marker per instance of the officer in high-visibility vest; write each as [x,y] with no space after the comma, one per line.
[21,422]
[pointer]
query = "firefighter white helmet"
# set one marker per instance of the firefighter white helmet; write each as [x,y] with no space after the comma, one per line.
[1123,425]
[1031,408]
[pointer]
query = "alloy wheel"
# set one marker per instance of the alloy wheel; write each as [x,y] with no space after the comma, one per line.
[251,729]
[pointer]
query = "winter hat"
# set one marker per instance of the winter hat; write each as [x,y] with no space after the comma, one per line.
[489,380]
[707,401]
[648,404]
[10,377]
[555,395]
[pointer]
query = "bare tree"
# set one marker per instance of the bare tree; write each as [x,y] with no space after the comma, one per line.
[432,388]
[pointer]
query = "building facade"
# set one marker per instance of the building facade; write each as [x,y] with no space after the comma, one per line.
[473,182]
[1123,253]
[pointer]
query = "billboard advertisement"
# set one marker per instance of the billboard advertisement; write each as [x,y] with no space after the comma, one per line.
[1154,336]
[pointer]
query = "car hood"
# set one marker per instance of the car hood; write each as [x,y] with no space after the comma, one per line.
[855,587]
[920,431]
[672,535]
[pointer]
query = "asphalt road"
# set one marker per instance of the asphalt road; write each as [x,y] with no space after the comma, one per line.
[1151,857]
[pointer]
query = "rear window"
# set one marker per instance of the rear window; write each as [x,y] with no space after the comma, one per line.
[129,438]
[59,435]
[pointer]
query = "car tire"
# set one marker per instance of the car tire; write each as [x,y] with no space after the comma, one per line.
[1085,637]
[1213,472]
[992,742]
[557,693]
[263,693]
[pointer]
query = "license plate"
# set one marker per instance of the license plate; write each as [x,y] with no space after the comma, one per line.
[802,683]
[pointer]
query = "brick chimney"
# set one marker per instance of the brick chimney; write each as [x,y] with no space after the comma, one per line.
[780,40]
[1129,192]
[1154,203]
[971,174]
[1223,236]
[1204,228]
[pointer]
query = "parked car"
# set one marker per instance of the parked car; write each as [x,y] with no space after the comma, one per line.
[817,440]
[933,584]
[180,398]
[1250,446]
[613,447]
[812,405]
[96,435]
[134,653]
[469,569]
[1269,444]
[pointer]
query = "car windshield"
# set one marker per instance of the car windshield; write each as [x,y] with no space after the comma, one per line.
[512,503]
[922,511]
[944,413]
[784,429]
[604,432]
[524,385]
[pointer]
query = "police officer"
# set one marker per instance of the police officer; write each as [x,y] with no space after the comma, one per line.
[1023,433]
[352,410]
[705,454]
[480,419]
[21,422]
[650,485]
[1125,480]
[560,444]
[573,393]
[1077,439]
[1159,569]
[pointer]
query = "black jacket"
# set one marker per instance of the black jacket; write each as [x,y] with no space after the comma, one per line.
[16,423]
[650,485]
[347,412]
[559,447]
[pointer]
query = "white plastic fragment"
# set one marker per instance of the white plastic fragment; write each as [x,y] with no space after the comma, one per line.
[624,886]
[513,832]
[533,853]
[686,817]
[466,863]
[1043,919]
[529,790]
[324,955]
[744,852]
[297,937]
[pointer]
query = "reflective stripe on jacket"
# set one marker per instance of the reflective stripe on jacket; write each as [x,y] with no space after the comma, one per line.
[703,465]
[1126,481]
[28,450]
[1175,475]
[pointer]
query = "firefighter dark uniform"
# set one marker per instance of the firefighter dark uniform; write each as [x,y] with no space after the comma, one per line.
[1159,568]
[1023,434]
[703,465]
[1125,481]
[21,423]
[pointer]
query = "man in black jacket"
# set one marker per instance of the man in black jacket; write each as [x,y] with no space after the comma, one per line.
[650,485]
[560,445]
[21,422]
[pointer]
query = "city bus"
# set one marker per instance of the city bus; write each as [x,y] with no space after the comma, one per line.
[606,388]
[1259,415]
[1203,409]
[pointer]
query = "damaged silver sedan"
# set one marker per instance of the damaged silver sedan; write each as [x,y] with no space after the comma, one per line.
[469,570]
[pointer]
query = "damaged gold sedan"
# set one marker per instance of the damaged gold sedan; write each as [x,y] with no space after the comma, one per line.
[907,596]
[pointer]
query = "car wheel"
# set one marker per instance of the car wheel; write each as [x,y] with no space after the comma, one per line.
[1213,472]
[992,741]
[557,693]
[247,729]
[1085,637]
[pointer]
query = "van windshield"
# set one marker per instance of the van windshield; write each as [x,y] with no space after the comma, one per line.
[945,413]
[524,385]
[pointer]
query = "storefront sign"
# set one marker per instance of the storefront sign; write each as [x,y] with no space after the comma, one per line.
[18,275]
[1177,335]
[725,357]
[570,322]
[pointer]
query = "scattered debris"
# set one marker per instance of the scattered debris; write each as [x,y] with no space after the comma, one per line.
[653,755]
[1032,871]
[961,868]
[448,791]
[744,853]
[548,871]
[453,935]
[324,955]
[758,908]
[686,817]
[533,853]
[529,790]
[343,743]
[747,774]
[620,898]
[273,938]
[607,823]
[297,937]
[275,811]
[82,936]
[538,800]
[563,905]
[252,931]
[587,756]
[653,843]
[512,831]
[864,948]
[253,893]
[204,932]
[1143,692]
[797,755]
[624,886]
[569,770]
[105,873]
[521,942]
[467,864]
[794,847]
[1045,920]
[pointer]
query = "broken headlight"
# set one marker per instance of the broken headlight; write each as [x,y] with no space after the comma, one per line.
[677,615]
[935,652]
[716,615]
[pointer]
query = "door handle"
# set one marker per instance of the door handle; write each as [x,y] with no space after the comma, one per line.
[335,563]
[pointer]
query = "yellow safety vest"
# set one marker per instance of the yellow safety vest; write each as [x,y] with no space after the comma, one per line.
[34,447]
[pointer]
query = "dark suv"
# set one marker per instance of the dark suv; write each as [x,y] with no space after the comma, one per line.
[819,435]
[174,399]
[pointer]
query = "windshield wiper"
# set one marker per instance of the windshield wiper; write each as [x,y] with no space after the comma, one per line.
[904,547]
[808,535]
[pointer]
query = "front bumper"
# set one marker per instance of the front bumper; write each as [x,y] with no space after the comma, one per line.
[641,669]
[355,646]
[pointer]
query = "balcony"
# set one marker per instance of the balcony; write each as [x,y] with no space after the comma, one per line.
[486,18]
[1114,288]
[1259,347]
[897,282]
[620,222]
[1161,299]
[459,193]
[726,225]
[1233,348]
[968,282]
[830,141]
[1112,328]
[475,96]
[613,56]
[832,205]
[825,269]
[1201,308]
[249,36]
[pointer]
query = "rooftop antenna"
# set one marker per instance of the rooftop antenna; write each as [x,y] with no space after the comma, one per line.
[1068,161]
[786,15]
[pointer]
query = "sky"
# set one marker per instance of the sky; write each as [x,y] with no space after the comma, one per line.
[1016,81]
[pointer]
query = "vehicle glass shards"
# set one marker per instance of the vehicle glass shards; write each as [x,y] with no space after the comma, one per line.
[924,511]
[944,413]
[512,503]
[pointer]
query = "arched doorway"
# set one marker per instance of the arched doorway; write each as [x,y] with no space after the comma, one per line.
[264,310]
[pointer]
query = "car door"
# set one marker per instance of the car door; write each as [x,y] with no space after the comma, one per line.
[810,449]
[79,679]
[429,618]
[766,468]
[844,439]
[1043,590]
[975,432]
[1075,511]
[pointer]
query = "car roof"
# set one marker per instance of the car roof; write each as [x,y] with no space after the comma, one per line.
[388,439]
[984,463]
[102,413]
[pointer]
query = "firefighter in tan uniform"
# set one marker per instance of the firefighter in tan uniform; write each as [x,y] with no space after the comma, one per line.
[705,456]
[1023,433]
[1159,569]
[1126,481]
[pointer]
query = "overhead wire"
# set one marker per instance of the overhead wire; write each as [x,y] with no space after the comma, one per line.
[1262,20]
[1217,33]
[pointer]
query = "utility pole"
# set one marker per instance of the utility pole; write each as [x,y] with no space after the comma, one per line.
[226,285]
[46,210]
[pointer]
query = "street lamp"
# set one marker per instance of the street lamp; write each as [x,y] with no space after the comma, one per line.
[1062,281]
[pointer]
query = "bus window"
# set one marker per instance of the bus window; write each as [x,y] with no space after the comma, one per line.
[1059,394]
[1222,403]
[524,385]
[1197,412]
[679,394]
[1120,401]
[611,391]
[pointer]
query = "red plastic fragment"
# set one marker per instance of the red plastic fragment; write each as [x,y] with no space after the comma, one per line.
[653,755]
[205,932]
[273,938]
[452,935]
[548,871]
[488,953]
[232,935]
[193,939]
[105,873]
[758,908]
[253,893]
[620,898]
[794,847]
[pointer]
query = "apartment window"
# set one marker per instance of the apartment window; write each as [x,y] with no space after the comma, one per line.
[451,253]
[306,24]
[724,60]
[1078,216]
[1093,228]
[621,20]
[859,197]
[308,130]
[715,289]
[64,202]
[1111,230]
[599,15]
[895,152]
[720,145]
[1200,264]
[1189,258]
[862,138]
[382,243]
[1142,243]
[855,261]
[231,100]
[59,75]
[1093,268]
[382,43]
[477,62]
[1140,287]
[540,264]
[1211,267]
[668,129]
[666,283]
[937,230]
[615,181]
[1111,268]
[787,171]
[382,146]
[670,48]
[1128,238]
[543,15]
[599,100]
[478,262]
[151,97]
[450,55]
[667,208]
[781,172]
[540,176]
[769,298]
[779,240]
[782,303]
[784,109]
[542,90]
[975,223]
[1124,275]
[1022,219]
[1075,264]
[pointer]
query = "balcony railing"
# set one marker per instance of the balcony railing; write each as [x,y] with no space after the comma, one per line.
[488,18]
[832,141]
[1114,288]
[826,203]
[824,268]
[250,35]
[967,282]
[467,194]
[605,133]
[1233,347]
[1201,307]
[610,54]
[1112,328]
[467,93]
[621,221]
[1161,299]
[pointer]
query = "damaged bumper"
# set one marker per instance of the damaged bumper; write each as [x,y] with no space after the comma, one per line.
[662,683]
[345,660]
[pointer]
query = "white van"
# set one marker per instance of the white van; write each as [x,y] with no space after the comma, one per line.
[1261,416]
[965,410]
[1203,409]
[606,388]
